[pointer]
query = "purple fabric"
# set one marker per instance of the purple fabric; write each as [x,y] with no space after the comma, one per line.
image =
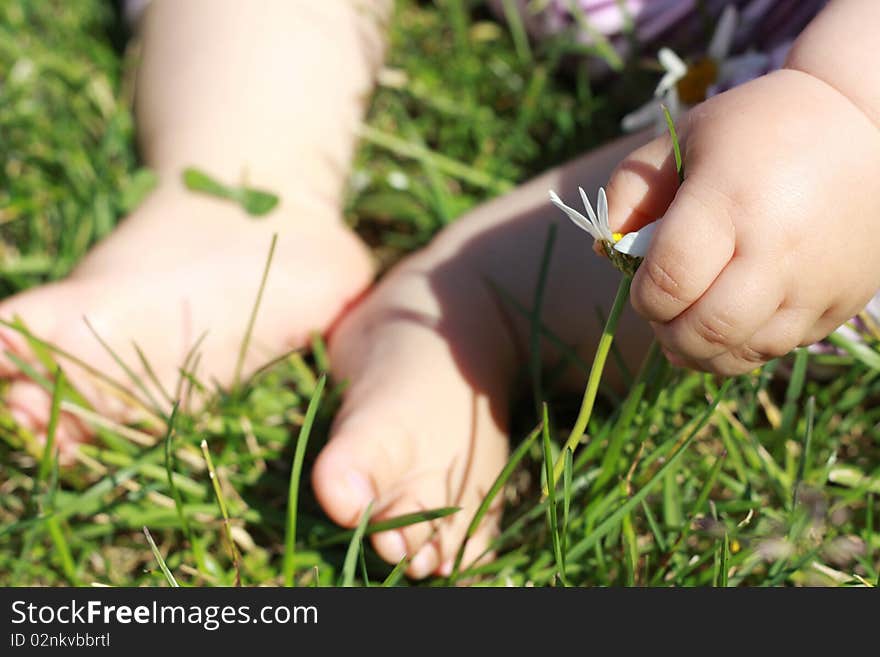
[684,25]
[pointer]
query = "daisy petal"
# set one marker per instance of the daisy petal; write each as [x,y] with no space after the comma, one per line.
[671,62]
[636,243]
[590,212]
[643,117]
[722,40]
[736,70]
[579,220]
[602,211]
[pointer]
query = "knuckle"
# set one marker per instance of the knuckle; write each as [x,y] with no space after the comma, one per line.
[717,204]
[657,283]
[715,330]
[755,356]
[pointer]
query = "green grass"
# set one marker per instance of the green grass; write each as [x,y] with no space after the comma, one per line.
[769,479]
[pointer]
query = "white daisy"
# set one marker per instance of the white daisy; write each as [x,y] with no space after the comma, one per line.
[597,224]
[634,244]
[683,85]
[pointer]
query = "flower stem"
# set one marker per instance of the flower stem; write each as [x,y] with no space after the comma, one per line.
[592,388]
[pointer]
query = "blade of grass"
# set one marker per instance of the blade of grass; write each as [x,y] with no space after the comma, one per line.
[566,351]
[655,528]
[793,391]
[608,465]
[162,565]
[805,451]
[195,543]
[496,488]
[221,502]
[134,378]
[40,344]
[397,574]
[595,377]
[612,521]
[319,352]
[535,319]
[53,526]
[676,147]
[183,370]
[246,341]
[49,449]
[857,350]
[566,500]
[517,31]
[442,163]
[302,441]
[552,518]
[351,555]
[151,373]
[397,522]
[363,559]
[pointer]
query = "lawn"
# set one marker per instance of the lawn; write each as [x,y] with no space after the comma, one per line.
[768,479]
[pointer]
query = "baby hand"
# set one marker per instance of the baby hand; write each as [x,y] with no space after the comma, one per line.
[773,239]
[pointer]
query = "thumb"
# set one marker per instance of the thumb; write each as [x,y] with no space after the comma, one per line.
[642,186]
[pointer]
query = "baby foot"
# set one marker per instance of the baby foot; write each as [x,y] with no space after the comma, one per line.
[431,353]
[181,266]
[424,422]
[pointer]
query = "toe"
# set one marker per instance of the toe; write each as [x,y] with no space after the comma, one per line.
[425,562]
[476,551]
[30,405]
[356,467]
[391,546]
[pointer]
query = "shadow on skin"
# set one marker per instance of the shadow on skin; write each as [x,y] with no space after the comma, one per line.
[500,245]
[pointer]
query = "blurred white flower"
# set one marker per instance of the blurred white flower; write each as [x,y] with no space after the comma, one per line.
[398,180]
[674,71]
[684,85]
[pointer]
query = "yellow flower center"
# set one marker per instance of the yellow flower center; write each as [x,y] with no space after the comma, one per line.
[617,237]
[694,86]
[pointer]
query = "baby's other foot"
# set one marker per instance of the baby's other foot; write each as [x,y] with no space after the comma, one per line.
[180,266]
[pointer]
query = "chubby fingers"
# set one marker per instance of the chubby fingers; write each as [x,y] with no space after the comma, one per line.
[693,244]
[741,300]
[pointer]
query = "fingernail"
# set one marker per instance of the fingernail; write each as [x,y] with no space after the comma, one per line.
[424,563]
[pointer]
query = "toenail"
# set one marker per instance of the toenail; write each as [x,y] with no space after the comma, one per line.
[359,487]
[390,545]
[424,563]
[22,418]
[446,569]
